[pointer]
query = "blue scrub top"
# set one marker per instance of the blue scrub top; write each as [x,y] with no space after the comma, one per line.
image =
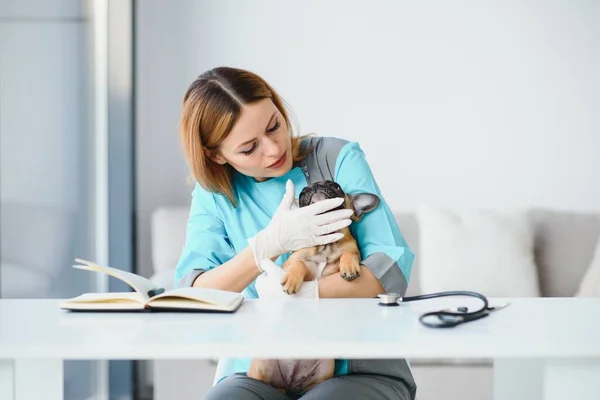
[216,231]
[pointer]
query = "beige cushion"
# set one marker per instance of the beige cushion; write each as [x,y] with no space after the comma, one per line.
[564,247]
[168,236]
[490,252]
[410,231]
[590,284]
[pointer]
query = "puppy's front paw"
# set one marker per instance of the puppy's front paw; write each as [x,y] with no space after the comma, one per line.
[290,283]
[349,266]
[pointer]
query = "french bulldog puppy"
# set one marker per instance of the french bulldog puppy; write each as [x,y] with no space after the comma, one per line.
[343,257]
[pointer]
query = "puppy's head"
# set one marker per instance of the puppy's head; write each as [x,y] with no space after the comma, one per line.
[360,203]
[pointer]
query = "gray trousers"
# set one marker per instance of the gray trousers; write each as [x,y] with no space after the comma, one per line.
[345,387]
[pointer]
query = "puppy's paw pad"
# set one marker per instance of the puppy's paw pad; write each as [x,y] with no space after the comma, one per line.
[350,272]
[291,284]
[350,276]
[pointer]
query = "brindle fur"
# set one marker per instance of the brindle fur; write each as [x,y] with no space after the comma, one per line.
[341,257]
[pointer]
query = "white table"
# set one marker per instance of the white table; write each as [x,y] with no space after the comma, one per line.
[542,348]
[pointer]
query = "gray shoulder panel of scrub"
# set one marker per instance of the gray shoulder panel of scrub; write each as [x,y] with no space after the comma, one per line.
[320,163]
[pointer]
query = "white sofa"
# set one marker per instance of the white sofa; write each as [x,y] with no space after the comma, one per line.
[561,239]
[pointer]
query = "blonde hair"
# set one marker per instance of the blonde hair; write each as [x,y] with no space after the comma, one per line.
[211,106]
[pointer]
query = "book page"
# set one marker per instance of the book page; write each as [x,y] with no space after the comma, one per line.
[203,295]
[181,303]
[107,297]
[138,283]
[104,301]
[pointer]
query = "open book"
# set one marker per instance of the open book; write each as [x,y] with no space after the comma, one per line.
[147,297]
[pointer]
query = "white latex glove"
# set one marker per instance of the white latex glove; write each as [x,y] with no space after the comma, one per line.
[268,284]
[294,228]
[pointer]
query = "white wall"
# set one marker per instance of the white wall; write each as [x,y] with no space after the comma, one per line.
[42,108]
[454,103]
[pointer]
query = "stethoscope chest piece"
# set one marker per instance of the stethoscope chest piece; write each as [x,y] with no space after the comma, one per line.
[389,299]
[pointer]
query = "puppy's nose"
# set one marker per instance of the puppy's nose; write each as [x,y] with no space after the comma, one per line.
[318,197]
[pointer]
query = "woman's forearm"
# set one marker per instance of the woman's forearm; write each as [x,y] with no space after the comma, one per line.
[365,286]
[234,275]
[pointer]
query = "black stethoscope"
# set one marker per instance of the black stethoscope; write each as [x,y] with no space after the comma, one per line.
[448,318]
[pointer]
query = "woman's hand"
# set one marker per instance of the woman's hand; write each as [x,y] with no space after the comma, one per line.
[293,228]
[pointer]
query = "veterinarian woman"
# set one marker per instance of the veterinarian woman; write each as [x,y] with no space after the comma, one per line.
[238,142]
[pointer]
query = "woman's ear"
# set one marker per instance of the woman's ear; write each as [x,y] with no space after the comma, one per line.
[215,157]
[219,160]
[363,203]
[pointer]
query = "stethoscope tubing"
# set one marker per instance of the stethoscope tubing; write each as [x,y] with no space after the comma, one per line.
[447,318]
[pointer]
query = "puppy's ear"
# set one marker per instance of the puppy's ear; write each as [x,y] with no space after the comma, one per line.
[362,203]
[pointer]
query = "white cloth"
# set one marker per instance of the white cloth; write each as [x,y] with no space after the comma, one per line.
[268,283]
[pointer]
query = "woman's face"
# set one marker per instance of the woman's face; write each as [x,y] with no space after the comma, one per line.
[259,144]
